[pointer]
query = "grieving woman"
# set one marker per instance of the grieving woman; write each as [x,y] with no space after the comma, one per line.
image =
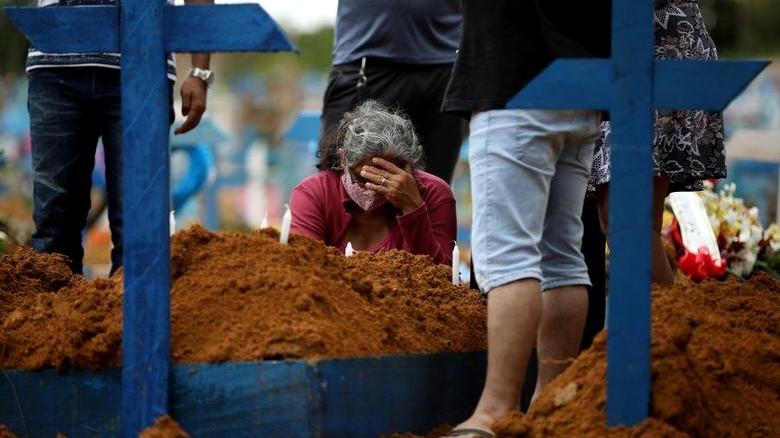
[371,192]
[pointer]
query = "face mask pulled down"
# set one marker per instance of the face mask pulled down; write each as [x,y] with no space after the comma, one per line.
[366,199]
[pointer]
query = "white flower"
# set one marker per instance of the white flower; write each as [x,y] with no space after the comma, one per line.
[738,268]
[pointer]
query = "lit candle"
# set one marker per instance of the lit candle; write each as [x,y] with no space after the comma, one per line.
[455,265]
[284,234]
[264,223]
[349,252]
[172,223]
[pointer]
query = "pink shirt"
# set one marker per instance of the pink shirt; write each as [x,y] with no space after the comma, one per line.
[321,210]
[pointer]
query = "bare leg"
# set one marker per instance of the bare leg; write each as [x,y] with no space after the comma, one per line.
[661,270]
[514,312]
[564,311]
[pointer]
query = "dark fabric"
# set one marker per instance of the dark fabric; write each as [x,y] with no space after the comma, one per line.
[409,31]
[416,90]
[594,245]
[37,59]
[70,109]
[688,146]
[506,45]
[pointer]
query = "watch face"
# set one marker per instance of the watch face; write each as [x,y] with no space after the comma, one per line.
[206,76]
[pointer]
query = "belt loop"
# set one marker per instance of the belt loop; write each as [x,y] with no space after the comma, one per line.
[362,79]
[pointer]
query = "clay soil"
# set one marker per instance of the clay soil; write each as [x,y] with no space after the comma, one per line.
[715,371]
[242,296]
[5,433]
[164,427]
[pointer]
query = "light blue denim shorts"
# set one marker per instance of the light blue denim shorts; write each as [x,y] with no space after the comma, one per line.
[529,175]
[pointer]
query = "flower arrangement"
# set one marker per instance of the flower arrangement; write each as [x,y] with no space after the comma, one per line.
[744,245]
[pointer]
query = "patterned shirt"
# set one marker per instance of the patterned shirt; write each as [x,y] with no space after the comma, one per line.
[37,59]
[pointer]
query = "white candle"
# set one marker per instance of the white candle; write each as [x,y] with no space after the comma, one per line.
[172,223]
[349,252]
[284,234]
[264,223]
[455,265]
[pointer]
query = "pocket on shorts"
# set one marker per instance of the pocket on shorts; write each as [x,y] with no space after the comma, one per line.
[533,154]
[535,145]
[588,146]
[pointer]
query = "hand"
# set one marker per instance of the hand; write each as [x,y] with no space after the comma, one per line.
[193,103]
[396,184]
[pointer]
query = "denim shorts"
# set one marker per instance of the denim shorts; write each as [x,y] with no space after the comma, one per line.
[529,174]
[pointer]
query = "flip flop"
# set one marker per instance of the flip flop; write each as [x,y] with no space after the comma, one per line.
[467,431]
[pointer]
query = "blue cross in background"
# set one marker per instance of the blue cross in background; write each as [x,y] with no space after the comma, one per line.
[143,31]
[631,85]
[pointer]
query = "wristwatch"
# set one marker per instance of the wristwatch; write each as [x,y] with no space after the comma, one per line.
[207,76]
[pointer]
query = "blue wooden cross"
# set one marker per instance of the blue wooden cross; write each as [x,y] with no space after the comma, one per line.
[631,85]
[143,31]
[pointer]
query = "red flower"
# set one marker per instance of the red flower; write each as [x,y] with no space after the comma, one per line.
[701,265]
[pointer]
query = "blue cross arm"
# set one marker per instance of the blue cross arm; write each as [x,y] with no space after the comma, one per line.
[574,84]
[678,84]
[69,30]
[702,85]
[190,28]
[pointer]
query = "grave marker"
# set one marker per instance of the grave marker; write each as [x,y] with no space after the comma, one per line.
[143,31]
[630,86]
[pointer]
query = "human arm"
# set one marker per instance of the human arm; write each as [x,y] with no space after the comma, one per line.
[194,91]
[430,229]
[428,225]
[308,218]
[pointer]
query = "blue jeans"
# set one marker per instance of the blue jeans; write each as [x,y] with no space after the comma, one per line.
[529,173]
[70,109]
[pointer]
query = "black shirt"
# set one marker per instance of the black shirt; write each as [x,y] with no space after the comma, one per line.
[506,43]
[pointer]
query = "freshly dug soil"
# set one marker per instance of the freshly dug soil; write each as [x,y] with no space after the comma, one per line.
[242,296]
[164,427]
[5,433]
[715,370]
[52,318]
[437,432]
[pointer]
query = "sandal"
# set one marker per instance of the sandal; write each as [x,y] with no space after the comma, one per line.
[467,431]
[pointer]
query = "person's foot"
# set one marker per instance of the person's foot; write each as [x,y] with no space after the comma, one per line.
[478,426]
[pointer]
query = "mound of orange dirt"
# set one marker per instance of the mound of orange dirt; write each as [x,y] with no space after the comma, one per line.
[242,296]
[164,427]
[715,370]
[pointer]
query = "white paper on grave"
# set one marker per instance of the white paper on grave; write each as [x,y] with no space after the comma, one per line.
[695,227]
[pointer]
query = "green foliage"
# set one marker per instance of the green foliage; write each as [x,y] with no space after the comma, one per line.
[740,28]
[314,55]
[769,264]
[744,28]
[13,45]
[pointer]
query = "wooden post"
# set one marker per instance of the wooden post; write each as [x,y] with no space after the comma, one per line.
[145,203]
[144,30]
[631,85]
[631,194]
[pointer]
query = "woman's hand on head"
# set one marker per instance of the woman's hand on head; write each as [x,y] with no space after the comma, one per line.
[396,184]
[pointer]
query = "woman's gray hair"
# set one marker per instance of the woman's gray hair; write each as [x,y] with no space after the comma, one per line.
[371,130]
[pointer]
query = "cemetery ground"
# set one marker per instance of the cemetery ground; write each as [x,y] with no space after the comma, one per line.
[245,297]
